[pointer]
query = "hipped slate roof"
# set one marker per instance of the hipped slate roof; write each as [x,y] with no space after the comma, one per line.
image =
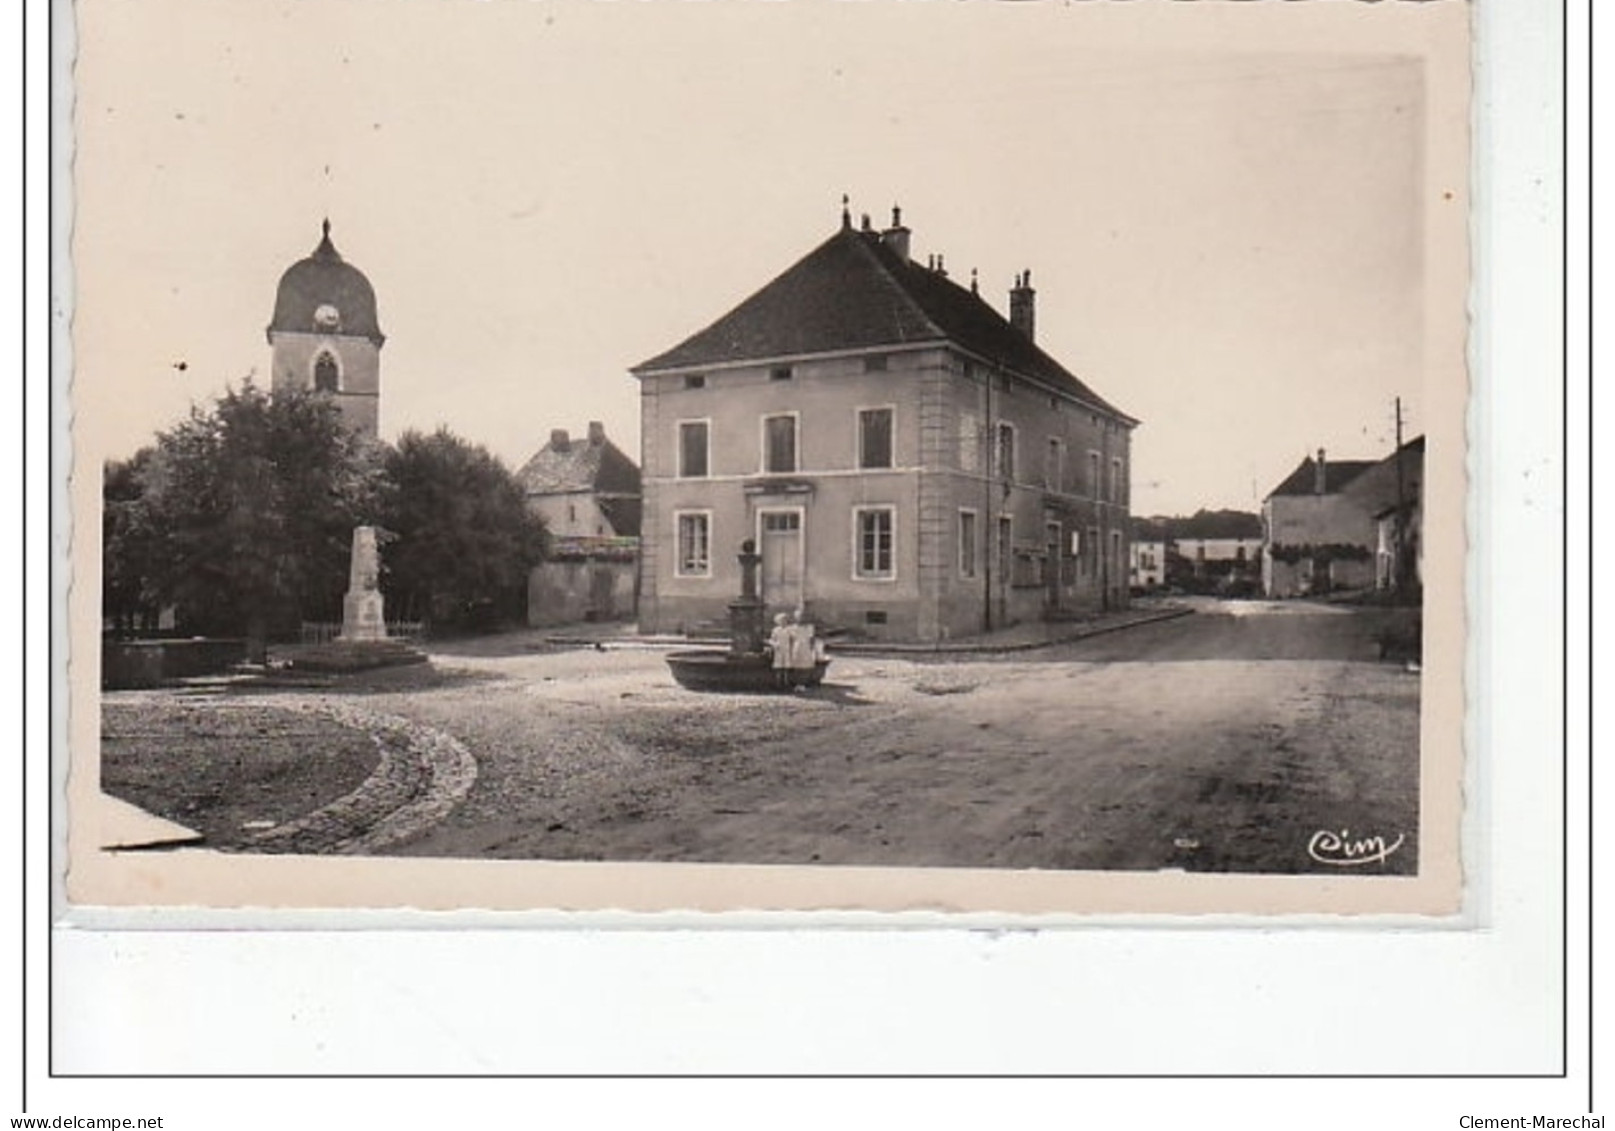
[853,292]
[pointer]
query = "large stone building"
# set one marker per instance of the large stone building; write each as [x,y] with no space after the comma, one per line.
[909,462]
[325,335]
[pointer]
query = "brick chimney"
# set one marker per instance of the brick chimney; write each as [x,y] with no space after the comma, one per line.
[1022,304]
[558,438]
[896,236]
[597,433]
[1320,475]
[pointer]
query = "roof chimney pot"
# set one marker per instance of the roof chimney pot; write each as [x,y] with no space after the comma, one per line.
[597,433]
[896,236]
[558,438]
[1023,305]
[1320,475]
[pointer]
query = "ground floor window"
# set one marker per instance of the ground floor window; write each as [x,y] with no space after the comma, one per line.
[873,531]
[967,543]
[694,544]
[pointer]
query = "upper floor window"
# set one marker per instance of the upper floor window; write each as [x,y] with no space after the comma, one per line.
[779,443]
[1004,455]
[1054,465]
[970,439]
[695,381]
[875,437]
[326,373]
[1117,494]
[693,449]
[875,363]
[1094,486]
[780,373]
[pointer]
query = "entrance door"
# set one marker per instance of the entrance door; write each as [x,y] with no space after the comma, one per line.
[1052,574]
[780,542]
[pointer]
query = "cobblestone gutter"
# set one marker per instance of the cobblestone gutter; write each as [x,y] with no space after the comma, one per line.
[422,775]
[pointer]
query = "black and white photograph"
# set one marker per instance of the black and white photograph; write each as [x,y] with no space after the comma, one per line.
[995,458]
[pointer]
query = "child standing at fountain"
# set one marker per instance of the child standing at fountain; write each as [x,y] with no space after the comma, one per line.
[804,652]
[780,643]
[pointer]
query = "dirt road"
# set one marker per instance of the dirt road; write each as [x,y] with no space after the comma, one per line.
[1222,741]
[1181,744]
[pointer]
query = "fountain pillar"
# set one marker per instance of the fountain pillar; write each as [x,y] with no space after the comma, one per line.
[746,613]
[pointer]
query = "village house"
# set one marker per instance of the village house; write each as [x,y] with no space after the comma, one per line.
[1203,552]
[1222,546]
[587,491]
[1324,522]
[1149,547]
[909,463]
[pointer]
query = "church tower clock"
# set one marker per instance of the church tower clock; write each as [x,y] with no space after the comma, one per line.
[325,334]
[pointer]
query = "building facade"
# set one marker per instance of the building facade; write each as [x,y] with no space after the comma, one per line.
[588,493]
[909,463]
[325,334]
[1323,523]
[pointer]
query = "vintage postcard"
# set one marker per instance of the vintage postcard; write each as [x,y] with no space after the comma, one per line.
[999,458]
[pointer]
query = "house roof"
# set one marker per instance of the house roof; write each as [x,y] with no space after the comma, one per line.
[592,464]
[1203,524]
[854,292]
[1217,524]
[1337,473]
[1154,529]
[1340,474]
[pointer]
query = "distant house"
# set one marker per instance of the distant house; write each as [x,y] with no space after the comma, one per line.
[1218,546]
[1200,552]
[588,493]
[1149,548]
[908,461]
[1323,522]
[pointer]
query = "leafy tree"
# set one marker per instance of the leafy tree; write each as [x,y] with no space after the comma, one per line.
[130,545]
[252,506]
[465,539]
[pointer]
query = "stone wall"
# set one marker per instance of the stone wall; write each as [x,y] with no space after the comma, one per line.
[572,592]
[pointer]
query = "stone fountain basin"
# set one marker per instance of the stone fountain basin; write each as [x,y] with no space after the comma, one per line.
[712,670]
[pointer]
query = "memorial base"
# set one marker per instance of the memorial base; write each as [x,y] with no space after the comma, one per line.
[358,655]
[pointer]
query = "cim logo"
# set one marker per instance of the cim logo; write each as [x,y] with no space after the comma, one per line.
[1344,850]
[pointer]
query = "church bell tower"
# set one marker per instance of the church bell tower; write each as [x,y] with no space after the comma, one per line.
[325,334]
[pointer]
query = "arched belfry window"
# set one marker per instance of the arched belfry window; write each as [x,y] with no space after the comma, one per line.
[325,373]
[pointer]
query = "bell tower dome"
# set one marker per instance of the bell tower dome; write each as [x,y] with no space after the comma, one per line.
[325,335]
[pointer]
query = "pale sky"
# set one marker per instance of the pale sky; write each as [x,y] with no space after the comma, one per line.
[1226,239]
